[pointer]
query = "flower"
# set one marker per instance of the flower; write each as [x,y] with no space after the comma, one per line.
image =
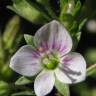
[51,58]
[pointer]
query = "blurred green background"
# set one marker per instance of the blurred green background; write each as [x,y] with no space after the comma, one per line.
[12,28]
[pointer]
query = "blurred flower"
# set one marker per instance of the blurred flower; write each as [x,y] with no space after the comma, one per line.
[91,25]
[50,56]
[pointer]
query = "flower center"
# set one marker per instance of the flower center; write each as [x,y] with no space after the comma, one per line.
[50,62]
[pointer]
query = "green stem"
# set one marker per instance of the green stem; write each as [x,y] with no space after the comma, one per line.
[91,70]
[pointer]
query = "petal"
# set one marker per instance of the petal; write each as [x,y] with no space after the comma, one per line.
[53,36]
[74,66]
[25,61]
[44,83]
[62,77]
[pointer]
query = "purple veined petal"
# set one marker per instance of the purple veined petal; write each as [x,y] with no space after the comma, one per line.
[44,83]
[53,36]
[74,66]
[62,77]
[25,61]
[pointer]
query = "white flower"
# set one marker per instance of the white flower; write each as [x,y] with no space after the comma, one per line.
[51,58]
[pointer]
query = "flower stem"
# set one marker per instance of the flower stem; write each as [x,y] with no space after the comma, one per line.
[91,70]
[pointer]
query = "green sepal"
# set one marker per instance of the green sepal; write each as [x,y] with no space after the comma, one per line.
[29,39]
[23,80]
[62,88]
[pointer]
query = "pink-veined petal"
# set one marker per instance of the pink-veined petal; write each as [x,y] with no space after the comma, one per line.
[62,77]
[25,61]
[44,83]
[74,66]
[53,36]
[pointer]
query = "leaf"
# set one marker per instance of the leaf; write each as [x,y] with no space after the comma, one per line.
[77,8]
[46,4]
[4,88]
[1,51]
[24,93]
[76,39]
[11,31]
[62,88]
[82,23]
[62,3]
[23,80]
[67,20]
[88,7]
[78,35]
[68,8]
[29,11]
[17,43]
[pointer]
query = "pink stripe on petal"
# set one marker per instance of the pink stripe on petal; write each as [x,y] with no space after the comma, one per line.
[25,61]
[35,54]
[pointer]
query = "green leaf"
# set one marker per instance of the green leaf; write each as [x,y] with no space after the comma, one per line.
[62,3]
[62,88]
[76,39]
[29,11]
[16,43]
[77,8]
[46,4]
[67,20]
[82,23]
[88,7]
[11,31]
[2,55]
[74,28]
[67,8]
[23,80]
[4,88]
[24,93]
[6,72]
[78,35]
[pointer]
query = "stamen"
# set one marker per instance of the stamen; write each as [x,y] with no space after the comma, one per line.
[41,49]
[45,61]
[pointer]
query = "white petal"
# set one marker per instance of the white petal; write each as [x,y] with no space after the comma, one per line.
[75,66]
[62,77]
[53,36]
[44,83]
[25,61]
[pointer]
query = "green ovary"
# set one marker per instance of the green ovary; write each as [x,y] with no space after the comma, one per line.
[50,63]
